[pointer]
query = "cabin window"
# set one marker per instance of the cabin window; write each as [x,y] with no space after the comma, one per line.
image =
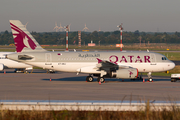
[164,58]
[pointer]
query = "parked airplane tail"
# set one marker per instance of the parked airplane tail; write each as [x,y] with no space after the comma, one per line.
[23,40]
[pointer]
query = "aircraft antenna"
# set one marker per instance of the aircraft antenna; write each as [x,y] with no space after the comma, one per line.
[120,29]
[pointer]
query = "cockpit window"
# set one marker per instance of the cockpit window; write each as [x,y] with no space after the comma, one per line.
[164,58]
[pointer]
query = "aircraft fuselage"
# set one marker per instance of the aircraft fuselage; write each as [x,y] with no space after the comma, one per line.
[72,61]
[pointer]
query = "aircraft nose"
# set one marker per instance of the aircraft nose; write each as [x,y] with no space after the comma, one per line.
[172,65]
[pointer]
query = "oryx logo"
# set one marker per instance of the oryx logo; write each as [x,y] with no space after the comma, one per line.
[130,73]
[21,39]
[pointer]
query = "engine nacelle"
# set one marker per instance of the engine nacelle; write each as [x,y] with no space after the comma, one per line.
[1,67]
[126,73]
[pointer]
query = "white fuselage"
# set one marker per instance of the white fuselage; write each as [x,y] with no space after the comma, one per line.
[74,66]
[87,62]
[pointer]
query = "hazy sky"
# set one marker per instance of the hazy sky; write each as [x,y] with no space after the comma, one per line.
[142,15]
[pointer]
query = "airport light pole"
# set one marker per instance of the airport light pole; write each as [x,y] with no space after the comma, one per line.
[120,28]
[67,29]
[79,38]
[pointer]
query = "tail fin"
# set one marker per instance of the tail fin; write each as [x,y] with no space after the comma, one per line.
[23,40]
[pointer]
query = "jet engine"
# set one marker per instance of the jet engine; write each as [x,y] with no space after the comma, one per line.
[125,73]
[1,67]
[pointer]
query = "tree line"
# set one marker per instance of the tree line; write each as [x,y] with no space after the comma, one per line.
[103,38]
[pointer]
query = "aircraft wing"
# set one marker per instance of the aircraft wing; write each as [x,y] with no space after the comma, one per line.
[106,65]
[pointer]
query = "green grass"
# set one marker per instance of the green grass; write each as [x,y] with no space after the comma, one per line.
[173,47]
[171,55]
[158,74]
[158,46]
[7,50]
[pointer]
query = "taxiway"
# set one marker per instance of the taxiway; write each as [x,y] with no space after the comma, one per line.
[69,86]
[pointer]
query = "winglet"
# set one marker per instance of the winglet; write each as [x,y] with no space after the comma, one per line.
[99,60]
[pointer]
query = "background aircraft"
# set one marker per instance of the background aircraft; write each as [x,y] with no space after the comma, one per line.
[9,64]
[125,65]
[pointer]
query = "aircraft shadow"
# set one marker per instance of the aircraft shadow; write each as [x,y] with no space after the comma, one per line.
[6,72]
[83,78]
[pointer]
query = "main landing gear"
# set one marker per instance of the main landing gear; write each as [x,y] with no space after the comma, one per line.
[101,79]
[90,79]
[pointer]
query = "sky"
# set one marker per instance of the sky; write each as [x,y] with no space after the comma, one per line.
[142,15]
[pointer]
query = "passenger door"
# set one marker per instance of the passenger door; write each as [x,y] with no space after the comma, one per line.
[153,59]
[48,59]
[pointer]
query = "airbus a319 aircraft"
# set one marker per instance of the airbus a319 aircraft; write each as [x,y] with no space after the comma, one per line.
[124,65]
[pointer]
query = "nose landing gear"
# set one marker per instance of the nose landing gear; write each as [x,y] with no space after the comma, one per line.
[149,77]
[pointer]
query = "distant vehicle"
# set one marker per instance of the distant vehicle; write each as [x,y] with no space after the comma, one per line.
[9,64]
[11,44]
[123,65]
[175,77]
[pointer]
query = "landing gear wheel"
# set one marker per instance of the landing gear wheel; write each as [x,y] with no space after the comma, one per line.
[89,79]
[149,77]
[101,79]
[150,80]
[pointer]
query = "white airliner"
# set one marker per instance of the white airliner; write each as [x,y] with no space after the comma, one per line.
[9,64]
[125,65]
